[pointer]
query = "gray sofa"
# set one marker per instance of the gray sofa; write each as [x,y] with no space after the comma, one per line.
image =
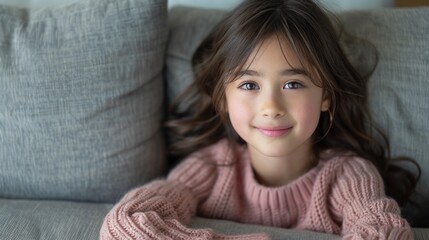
[84,90]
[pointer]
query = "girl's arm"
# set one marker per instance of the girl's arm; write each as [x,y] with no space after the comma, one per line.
[365,210]
[162,208]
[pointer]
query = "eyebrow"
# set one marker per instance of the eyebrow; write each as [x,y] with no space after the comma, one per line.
[286,72]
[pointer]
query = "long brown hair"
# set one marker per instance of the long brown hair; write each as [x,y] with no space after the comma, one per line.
[198,117]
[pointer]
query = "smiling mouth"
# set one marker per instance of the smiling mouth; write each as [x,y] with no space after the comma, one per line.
[274,132]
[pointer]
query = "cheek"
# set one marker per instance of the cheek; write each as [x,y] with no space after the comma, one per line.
[237,112]
[312,118]
[309,114]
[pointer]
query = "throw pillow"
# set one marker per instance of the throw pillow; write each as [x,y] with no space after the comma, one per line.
[81,96]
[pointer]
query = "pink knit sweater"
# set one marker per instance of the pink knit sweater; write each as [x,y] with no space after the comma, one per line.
[341,195]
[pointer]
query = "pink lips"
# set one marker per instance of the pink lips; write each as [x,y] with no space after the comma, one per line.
[274,132]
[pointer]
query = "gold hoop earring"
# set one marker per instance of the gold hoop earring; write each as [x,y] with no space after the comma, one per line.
[331,122]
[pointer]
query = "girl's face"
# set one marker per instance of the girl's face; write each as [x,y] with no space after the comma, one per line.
[274,106]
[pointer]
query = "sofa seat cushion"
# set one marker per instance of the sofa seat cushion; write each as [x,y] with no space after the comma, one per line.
[65,220]
[50,220]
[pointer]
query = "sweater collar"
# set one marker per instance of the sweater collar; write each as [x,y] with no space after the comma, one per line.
[294,193]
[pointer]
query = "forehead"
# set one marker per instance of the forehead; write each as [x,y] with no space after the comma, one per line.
[273,52]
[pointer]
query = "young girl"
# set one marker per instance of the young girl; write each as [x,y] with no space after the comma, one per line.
[274,131]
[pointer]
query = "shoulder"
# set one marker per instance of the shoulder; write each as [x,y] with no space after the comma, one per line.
[348,164]
[351,174]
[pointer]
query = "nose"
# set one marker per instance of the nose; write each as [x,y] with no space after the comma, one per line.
[272,106]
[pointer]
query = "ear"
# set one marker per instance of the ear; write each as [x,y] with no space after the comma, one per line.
[326,103]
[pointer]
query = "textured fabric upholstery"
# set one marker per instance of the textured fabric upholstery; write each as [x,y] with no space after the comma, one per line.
[81,99]
[50,220]
[229,227]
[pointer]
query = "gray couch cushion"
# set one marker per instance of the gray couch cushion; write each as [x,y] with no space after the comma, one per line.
[188,26]
[50,220]
[58,220]
[234,228]
[398,88]
[81,99]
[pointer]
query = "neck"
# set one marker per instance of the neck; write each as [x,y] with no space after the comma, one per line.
[280,170]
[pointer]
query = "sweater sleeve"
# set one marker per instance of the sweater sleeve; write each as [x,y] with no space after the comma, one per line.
[366,212]
[162,208]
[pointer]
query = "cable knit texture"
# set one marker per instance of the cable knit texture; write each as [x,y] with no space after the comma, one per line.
[343,195]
